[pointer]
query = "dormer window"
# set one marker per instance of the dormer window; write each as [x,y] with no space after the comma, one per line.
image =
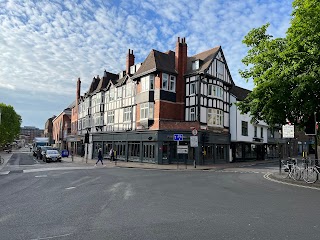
[196,64]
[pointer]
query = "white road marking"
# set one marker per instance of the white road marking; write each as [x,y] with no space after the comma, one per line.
[70,188]
[4,218]
[128,192]
[40,176]
[79,180]
[266,176]
[55,169]
[115,187]
[57,236]
[124,189]
[89,181]
[4,173]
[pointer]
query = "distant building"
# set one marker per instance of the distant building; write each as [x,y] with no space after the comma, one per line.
[30,133]
[61,127]
[48,129]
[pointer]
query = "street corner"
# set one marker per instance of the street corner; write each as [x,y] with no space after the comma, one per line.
[276,177]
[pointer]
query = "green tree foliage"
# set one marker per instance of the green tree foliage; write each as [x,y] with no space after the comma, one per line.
[10,124]
[285,71]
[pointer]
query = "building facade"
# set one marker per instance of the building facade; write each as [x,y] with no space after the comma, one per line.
[255,141]
[48,129]
[30,133]
[61,128]
[139,111]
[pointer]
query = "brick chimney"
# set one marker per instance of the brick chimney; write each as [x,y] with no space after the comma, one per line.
[181,58]
[78,89]
[130,61]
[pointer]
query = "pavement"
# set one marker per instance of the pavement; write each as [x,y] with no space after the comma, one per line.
[271,174]
[6,156]
[180,166]
[276,177]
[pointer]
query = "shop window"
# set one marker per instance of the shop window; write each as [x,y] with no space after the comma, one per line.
[134,150]
[148,152]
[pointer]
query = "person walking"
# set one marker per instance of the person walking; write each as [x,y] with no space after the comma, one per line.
[100,157]
[111,154]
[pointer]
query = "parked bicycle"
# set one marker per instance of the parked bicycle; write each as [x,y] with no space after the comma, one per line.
[310,172]
[290,169]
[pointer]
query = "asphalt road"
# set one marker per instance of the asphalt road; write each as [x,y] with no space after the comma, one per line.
[123,203]
[23,159]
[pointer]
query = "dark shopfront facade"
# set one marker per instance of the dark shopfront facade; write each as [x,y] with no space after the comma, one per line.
[242,151]
[159,147]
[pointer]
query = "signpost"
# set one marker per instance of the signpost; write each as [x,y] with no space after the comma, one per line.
[287,132]
[181,149]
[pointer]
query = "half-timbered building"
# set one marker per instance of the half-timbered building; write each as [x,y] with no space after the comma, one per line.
[139,111]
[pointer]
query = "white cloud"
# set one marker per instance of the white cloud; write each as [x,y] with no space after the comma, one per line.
[46,45]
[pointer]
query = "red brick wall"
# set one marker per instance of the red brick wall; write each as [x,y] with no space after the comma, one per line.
[177,125]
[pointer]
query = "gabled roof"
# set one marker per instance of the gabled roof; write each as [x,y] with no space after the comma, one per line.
[206,57]
[72,105]
[104,81]
[94,84]
[239,93]
[157,61]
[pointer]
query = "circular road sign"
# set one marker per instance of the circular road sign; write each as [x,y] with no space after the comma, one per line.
[194,132]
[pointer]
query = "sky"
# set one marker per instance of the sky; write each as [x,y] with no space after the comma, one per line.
[46,45]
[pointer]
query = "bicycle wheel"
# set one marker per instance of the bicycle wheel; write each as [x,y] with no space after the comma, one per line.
[284,173]
[310,175]
[295,173]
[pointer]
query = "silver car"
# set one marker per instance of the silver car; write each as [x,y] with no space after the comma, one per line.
[52,156]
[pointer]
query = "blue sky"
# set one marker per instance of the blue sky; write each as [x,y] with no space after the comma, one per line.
[45,45]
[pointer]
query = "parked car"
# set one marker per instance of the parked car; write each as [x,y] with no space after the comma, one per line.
[44,149]
[51,155]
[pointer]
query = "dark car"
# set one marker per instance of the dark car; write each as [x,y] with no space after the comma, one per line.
[52,155]
[43,150]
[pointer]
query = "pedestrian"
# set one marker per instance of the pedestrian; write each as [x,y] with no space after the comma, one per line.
[38,153]
[111,154]
[100,157]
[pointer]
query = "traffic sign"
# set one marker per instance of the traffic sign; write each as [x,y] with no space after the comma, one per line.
[193,141]
[194,132]
[178,137]
[288,131]
[182,149]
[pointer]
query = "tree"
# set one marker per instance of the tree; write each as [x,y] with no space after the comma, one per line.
[285,71]
[10,123]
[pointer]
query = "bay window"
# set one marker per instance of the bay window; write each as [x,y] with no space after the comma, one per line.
[215,117]
[146,110]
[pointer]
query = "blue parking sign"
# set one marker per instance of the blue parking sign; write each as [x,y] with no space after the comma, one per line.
[178,137]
